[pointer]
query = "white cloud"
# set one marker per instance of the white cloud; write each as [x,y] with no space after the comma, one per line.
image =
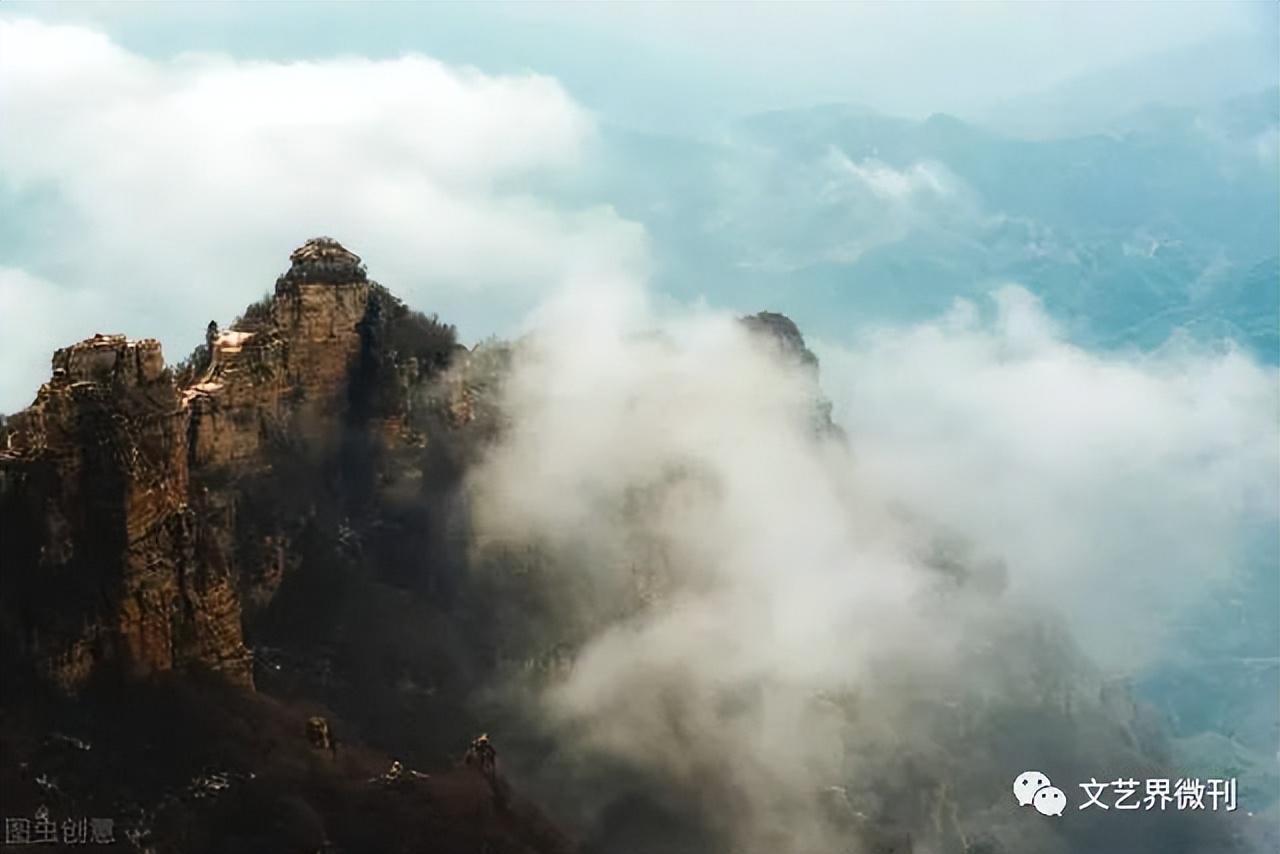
[32,307]
[787,213]
[894,185]
[190,179]
[1118,486]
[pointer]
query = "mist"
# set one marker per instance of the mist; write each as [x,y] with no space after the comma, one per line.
[778,629]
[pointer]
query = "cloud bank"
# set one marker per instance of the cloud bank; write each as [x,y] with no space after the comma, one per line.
[183,183]
[1119,485]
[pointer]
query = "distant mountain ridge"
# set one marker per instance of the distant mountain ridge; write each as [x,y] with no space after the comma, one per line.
[1194,76]
[841,216]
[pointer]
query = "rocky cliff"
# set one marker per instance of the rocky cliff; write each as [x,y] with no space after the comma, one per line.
[108,559]
[200,561]
[122,486]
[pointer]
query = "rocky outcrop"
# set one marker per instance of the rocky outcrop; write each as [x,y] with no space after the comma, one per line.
[105,562]
[782,332]
[318,308]
[239,401]
[784,340]
[123,490]
[285,367]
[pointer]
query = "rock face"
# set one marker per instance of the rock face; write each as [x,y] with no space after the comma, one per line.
[122,490]
[288,365]
[107,555]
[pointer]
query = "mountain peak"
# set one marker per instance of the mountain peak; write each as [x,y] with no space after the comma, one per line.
[324,260]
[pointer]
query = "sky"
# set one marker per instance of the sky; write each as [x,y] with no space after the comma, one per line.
[686,66]
[158,162]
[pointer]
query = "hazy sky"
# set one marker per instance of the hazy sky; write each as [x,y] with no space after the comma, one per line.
[685,64]
[158,162]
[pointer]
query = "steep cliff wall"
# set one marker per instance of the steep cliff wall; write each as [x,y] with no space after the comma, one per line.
[105,561]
